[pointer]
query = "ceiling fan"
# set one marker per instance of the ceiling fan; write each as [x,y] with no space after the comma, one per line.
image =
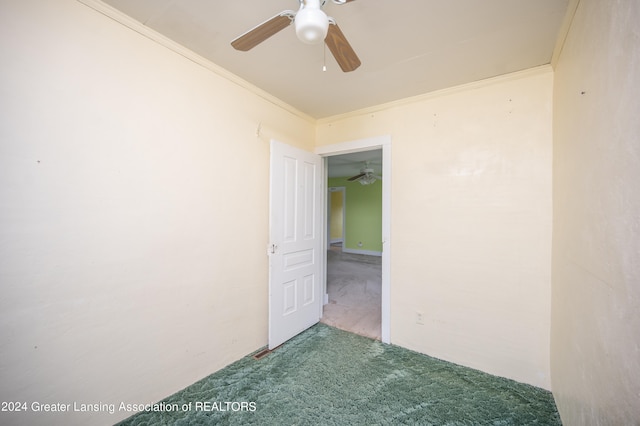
[312,27]
[366,176]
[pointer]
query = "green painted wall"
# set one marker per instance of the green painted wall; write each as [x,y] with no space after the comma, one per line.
[363,208]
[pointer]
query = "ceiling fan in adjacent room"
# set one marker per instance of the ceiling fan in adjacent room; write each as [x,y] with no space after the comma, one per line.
[312,25]
[366,176]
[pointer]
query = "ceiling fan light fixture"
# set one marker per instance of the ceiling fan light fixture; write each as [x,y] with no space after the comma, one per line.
[367,180]
[311,25]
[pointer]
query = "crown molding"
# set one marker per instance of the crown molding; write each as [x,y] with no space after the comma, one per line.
[125,20]
[564,31]
[539,70]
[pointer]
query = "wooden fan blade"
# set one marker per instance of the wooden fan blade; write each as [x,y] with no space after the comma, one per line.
[356,177]
[257,35]
[341,49]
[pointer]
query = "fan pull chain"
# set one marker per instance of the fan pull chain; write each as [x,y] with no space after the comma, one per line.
[324,57]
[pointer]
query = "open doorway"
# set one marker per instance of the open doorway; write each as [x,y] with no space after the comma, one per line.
[354,236]
[356,146]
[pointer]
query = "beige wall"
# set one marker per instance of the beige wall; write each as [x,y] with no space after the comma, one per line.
[471,221]
[123,276]
[595,352]
[118,274]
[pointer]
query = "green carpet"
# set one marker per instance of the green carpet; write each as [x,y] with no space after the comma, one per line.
[326,376]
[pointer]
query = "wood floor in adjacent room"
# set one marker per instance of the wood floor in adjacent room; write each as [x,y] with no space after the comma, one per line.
[354,284]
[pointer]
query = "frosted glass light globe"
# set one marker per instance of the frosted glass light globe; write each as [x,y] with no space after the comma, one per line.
[311,25]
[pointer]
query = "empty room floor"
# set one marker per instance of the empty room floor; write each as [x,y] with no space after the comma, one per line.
[354,283]
[326,376]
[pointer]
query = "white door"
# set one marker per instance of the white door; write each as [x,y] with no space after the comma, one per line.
[295,248]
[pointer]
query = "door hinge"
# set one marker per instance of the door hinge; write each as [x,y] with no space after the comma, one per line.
[272,248]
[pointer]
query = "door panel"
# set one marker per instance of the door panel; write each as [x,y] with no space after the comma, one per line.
[295,233]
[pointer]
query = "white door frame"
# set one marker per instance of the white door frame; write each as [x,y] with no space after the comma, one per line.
[368,144]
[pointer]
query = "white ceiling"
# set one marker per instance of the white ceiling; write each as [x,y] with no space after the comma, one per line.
[407,47]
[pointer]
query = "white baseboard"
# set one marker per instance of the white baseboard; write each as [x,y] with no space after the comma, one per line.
[367,252]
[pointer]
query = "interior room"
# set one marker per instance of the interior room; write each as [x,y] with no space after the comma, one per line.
[135,149]
[354,257]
